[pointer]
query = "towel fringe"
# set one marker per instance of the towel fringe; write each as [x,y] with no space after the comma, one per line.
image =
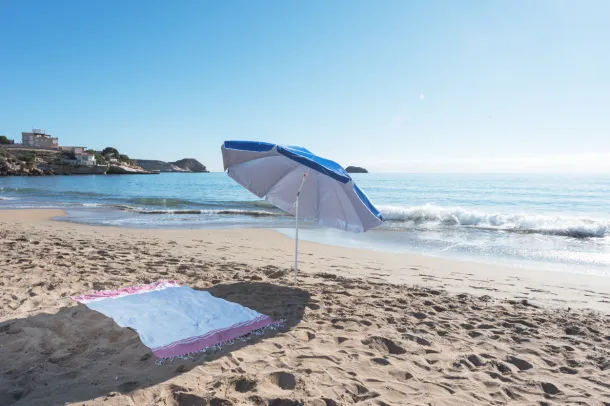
[217,347]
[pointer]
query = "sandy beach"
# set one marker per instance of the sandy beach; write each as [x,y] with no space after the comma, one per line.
[362,327]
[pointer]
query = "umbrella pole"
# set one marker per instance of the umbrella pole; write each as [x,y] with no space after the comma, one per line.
[296,236]
[296,240]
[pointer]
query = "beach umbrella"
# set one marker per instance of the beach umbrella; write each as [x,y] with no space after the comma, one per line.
[300,183]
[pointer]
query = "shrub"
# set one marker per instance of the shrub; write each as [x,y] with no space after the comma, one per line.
[28,157]
[111,152]
[99,158]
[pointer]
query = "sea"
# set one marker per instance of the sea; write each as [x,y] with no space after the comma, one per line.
[552,222]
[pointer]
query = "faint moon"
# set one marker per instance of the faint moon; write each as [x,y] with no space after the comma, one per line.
[421,96]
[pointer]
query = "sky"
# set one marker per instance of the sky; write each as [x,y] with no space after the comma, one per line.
[394,86]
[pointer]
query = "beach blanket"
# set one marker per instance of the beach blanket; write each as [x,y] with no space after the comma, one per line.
[174,320]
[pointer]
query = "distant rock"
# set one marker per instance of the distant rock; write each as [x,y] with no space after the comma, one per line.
[190,165]
[183,165]
[161,166]
[355,169]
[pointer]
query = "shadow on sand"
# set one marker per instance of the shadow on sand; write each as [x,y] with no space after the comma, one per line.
[78,354]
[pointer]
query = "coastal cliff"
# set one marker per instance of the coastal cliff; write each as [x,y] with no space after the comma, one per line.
[37,162]
[190,165]
[161,166]
[23,163]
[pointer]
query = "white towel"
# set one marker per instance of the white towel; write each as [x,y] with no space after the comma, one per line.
[174,320]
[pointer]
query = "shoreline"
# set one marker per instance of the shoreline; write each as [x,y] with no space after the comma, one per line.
[579,262]
[360,327]
[476,223]
[541,287]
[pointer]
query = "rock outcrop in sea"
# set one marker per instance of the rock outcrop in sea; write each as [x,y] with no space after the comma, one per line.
[355,169]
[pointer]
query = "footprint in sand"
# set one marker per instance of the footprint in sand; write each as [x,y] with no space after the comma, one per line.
[283,380]
[384,345]
[305,335]
[522,364]
[381,361]
[285,402]
[184,398]
[244,384]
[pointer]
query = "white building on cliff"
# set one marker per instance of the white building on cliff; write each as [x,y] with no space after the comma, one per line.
[39,139]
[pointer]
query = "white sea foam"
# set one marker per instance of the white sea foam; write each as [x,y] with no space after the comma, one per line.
[252,213]
[526,223]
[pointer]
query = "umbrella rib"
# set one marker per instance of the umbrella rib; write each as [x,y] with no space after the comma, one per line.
[341,205]
[281,179]
[343,210]
[318,198]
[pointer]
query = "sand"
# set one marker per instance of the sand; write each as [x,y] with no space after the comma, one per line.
[362,327]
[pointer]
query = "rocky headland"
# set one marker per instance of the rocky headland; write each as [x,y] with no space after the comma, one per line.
[183,165]
[39,162]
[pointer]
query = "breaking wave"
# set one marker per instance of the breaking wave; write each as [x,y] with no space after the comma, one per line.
[525,223]
[261,203]
[188,204]
[251,213]
[167,202]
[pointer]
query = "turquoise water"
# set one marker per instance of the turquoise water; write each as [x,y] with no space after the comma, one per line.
[559,222]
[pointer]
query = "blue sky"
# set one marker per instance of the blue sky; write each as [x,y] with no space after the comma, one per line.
[396,86]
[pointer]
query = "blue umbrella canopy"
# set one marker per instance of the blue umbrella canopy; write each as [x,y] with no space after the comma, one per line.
[277,173]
